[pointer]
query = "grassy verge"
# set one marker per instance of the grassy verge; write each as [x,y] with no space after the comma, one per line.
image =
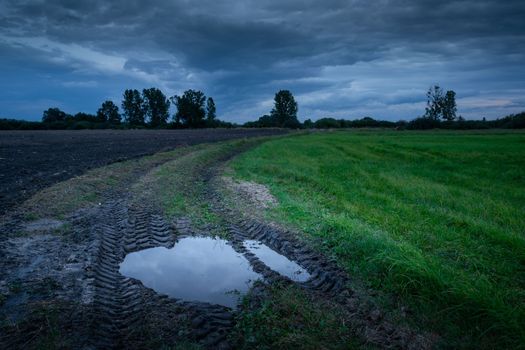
[433,218]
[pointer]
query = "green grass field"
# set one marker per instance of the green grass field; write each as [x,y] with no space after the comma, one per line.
[432,220]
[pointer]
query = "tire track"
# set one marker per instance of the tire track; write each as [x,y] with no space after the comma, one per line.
[124,311]
[328,281]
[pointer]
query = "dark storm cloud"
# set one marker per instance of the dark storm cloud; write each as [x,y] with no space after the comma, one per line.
[342,58]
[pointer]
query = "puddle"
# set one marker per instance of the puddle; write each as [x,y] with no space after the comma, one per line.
[195,269]
[277,262]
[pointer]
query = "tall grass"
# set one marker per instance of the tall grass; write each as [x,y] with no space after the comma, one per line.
[434,218]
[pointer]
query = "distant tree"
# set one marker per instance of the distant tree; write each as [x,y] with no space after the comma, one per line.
[449,107]
[108,112]
[435,98]
[285,110]
[308,124]
[54,115]
[190,109]
[155,106]
[132,105]
[210,112]
[423,123]
[85,117]
[267,121]
[327,123]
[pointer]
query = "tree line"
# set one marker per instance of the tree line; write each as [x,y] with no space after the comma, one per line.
[150,109]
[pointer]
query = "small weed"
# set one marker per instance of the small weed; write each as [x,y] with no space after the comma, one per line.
[30,217]
[15,287]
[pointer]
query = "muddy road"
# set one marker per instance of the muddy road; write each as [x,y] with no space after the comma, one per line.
[32,160]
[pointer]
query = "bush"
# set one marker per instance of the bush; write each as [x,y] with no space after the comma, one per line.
[423,123]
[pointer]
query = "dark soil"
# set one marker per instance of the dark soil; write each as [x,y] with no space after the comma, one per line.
[32,160]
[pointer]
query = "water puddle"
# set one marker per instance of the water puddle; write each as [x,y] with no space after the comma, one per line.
[277,262]
[195,269]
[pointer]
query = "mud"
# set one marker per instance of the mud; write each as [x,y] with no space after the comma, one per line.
[106,309]
[43,225]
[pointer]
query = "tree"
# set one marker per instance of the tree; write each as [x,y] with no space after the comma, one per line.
[85,117]
[132,106]
[190,108]
[267,121]
[449,107]
[108,112]
[54,115]
[308,124]
[285,110]
[434,109]
[156,106]
[210,112]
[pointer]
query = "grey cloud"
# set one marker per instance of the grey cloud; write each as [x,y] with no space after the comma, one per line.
[246,50]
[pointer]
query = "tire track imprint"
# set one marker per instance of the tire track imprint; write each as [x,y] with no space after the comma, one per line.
[122,304]
[328,281]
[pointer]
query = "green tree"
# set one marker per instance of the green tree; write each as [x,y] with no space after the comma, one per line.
[308,124]
[434,109]
[449,107]
[190,109]
[108,112]
[132,107]
[54,115]
[285,110]
[85,117]
[156,107]
[210,112]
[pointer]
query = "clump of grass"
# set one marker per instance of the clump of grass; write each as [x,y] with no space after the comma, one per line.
[289,319]
[43,328]
[435,219]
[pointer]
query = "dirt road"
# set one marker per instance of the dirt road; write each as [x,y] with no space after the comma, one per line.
[61,287]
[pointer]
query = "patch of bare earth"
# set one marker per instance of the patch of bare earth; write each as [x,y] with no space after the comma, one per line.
[255,194]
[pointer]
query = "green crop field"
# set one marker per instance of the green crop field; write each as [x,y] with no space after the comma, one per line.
[431,220]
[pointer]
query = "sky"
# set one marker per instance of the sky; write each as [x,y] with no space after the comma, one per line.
[343,59]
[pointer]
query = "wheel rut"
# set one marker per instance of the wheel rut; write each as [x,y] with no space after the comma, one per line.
[125,313]
[328,280]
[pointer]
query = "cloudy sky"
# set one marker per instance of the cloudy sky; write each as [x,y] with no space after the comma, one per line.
[345,59]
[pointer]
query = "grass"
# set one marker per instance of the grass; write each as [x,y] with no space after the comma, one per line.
[88,189]
[44,328]
[179,187]
[289,319]
[434,219]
